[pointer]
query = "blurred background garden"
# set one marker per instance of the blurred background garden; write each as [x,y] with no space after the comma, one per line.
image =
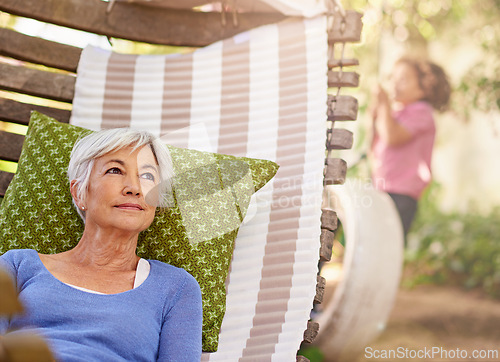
[450,288]
[449,294]
[455,238]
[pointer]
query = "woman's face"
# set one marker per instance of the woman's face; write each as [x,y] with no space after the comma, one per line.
[406,88]
[119,184]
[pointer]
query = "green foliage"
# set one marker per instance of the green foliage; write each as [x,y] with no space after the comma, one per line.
[467,30]
[454,248]
[312,353]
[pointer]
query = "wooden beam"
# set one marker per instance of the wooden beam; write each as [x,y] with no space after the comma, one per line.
[335,171]
[311,332]
[138,22]
[343,79]
[335,63]
[327,238]
[346,29]
[320,289]
[11,145]
[339,139]
[328,219]
[20,113]
[56,86]
[342,108]
[5,179]
[38,50]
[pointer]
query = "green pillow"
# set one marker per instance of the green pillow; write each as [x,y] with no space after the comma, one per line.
[37,211]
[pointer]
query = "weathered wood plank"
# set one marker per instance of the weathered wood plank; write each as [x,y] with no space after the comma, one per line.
[320,289]
[335,171]
[10,146]
[326,238]
[335,63]
[346,29]
[328,219]
[311,332]
[343,79]
[56,86]
[5,179]
[339,139]
[138,22]
[18,112]
[342,108]
[38,51]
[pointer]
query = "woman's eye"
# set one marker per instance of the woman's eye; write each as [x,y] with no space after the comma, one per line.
[114,170]
[148,176]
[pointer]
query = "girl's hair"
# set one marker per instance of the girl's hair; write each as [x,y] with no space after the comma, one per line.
[87,149]
[432,80]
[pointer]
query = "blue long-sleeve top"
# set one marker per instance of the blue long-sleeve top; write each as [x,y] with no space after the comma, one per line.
[159,320]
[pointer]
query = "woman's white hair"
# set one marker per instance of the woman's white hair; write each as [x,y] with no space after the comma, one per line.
[87,149]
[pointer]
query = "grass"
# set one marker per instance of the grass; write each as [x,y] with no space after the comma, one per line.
[454,248]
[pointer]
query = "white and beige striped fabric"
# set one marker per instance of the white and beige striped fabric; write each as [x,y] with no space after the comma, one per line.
[260,94]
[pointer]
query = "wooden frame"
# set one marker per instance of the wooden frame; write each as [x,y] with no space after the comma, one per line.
[137,22]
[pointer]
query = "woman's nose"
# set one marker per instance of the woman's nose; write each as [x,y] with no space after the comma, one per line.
[132,186]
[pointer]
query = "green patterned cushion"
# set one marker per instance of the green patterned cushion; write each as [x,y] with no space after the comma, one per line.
[37,210]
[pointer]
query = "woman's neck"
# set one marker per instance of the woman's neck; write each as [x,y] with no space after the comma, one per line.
[111,251]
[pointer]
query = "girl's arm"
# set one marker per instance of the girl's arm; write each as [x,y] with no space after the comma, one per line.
[386,126]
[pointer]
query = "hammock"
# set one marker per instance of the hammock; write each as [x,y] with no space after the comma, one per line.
[260,94]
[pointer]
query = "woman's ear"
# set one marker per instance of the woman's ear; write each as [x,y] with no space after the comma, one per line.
[73,187]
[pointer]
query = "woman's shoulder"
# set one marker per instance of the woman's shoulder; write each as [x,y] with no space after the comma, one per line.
[17,255]
[171,273]
[16,260]
[162,268]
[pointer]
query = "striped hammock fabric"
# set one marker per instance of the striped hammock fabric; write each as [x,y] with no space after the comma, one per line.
[260,94]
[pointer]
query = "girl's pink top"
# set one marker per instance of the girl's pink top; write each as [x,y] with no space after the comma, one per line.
[406,169]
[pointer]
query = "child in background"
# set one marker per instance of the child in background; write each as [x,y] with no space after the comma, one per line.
[404,131]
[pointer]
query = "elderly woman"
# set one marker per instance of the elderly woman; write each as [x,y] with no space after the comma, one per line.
[99,301]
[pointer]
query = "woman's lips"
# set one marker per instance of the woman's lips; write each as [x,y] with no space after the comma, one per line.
[129,206]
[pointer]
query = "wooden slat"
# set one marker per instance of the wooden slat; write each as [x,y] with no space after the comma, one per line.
[39,51]
[5,179]
[56,86]
[311,332]
[342,108]
[320,289]
[343,79]
[335,171]
[335,63]
[327,238]
[339,139]
[328,219]
[18,112]
[10,146]
[137,22]
[347,29]
[302,359]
